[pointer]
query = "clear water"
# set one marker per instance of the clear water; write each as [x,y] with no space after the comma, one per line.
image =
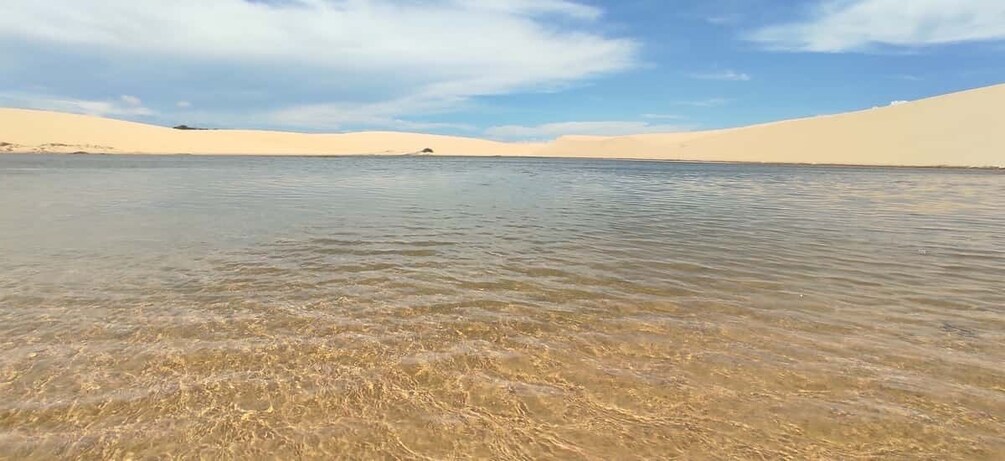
[430,308]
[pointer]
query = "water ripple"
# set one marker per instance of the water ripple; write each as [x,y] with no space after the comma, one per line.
[430,308]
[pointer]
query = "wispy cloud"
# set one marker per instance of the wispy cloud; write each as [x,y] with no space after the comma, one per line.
[664,116]
[390,114]
[723,20]
[383,115]
[389,60]
[532,7]
[859,25]
[123,106]
[710,102]
[549,131]
[725,75]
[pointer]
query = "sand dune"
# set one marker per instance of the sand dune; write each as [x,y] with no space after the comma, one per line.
[39,131]
[959,129]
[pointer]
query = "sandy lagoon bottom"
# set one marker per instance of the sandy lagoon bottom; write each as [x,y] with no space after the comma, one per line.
[430,308]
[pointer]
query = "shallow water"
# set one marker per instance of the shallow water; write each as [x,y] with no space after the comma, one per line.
[498,308]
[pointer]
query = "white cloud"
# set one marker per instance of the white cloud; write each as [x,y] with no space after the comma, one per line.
[723,20]
[893,103]
[561,7]
[710,102]
[603,128]
[727,75]
[124,106]
[131,101]
[385,114]
[183,105]
[385,60]
[857,25]
[664,116]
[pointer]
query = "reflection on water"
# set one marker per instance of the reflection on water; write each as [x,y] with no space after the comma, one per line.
[503,308]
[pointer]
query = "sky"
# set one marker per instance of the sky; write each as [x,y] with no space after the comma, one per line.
[518,70]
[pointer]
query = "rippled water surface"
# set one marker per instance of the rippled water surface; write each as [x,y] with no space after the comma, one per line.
[430,308]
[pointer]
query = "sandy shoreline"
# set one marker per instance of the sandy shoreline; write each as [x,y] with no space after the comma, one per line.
[540,157]
[965,129]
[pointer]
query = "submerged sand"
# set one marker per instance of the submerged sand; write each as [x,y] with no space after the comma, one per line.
[185,307]
[960,129]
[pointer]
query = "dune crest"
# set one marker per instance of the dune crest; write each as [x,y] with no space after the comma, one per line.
[958,129]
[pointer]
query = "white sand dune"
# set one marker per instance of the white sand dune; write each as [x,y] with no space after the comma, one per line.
[959,129]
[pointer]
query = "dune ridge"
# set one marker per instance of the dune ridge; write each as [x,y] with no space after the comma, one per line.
[959,129]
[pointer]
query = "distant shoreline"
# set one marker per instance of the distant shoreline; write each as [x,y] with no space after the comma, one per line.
[516,157]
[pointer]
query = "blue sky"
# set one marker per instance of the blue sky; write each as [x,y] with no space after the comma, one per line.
[505,69]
